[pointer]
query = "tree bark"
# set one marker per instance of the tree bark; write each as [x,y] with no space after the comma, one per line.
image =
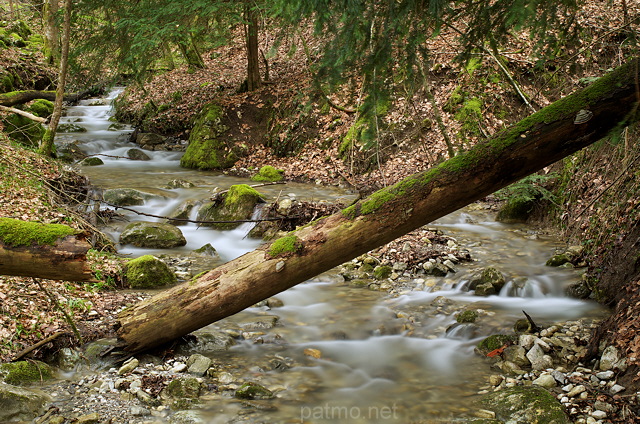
[535,142]
[65,260]
[51,40]
[253,58]
[46,145]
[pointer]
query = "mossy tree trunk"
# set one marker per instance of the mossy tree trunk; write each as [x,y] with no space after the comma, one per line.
[20,97]
[251,39]
[535,142]
[51,40]
[46,145]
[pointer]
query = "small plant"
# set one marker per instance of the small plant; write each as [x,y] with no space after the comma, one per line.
[530,188]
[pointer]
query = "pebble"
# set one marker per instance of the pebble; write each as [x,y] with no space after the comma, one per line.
[616,388]
[605,375]
[599,415]
[576,391]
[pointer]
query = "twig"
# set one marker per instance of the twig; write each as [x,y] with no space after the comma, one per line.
[23,113]
[31,348]
[534,327]
[61,309]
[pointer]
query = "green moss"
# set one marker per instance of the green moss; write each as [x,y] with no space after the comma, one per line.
[239,203]
[381,272]
[558,260]
[375,201]
[14,232]
[42,108]
[494,342]
[23,130]
[148,272]
[526,404]
[284,245]
[184,388]
[207,149]
[268,173]
[466,317]
[253,391]
[24,372]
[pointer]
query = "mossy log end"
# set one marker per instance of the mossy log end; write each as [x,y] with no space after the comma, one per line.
[51,251]
[535,142]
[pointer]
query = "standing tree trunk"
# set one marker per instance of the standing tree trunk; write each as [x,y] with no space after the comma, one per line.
[535,142]
[46,146]
[51,35]
[190,53]
[251,38]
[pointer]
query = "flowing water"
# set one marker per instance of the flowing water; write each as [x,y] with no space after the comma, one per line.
[382,358]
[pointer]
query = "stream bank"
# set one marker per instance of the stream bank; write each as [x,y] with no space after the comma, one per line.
[312,346]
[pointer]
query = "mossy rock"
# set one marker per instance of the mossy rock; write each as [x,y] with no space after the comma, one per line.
[42,108]
[207,149]
[14,232]
[93,161]
[239,204]
[71,128]
[381,272]
[253,391]
[558,260]
[126,196]
[21,28]
[182,212]
[20,404]
[148,272]
[486,282]
[24,372]
[467,317]
[23,130]
[154,235]
[137,154]
[526,405]
[517,209]
[493,342]
[188,388]
[268,174]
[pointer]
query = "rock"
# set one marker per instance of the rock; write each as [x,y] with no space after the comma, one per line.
[154,235]
[578,290]
[93,418]
[493,342]
[19,404]
[224,377]
[269,174]
[527,340]
[576,391]
[67,358]
[526,405]
[139,411]
[148,272]
[545,380]
[128,366]
[149,139]
[264,322]
[182,212]
[616,388]
[517,355]
[274,302]
[559,377]
[314,353]
[467,317]
[599,415]
[450,265]
[490,281]
[198,364]
[253,391]
[188,387]
[610,358]
[211,342]
[207,250]
[178,183]
[91,161]
[382,272]
[605,375]
[126,196]
[24,372]
[435,269]
[186,417]
[71,128]
[137,154]
[207,148]
[238,204]
[516,209]
[539,361]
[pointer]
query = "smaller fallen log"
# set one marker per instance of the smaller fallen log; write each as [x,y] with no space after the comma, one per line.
[51,251]
[23,113]
[20,97]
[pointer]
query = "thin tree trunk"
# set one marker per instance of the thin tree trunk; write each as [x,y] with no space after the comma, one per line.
[51,35]
[46,146]
[535,142]
[253,57]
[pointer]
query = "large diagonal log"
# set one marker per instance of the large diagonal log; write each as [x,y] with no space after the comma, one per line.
[532,144]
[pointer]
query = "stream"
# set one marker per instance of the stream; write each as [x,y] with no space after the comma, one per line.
[341,353]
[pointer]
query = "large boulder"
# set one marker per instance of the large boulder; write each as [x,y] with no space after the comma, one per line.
[24,372]
[154,235]
[268,174]
[487,281]
[238,204]
[148,272]
[207,148]
[19,404]
[526,405]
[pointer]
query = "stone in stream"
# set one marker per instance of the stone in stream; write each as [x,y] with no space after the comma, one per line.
[137,154]
[251,390]
[24,372]
[237,204]
[91,161]
[149,140]
[487,281]
[198,364]
[154,235]
[207,250]
[19,404]
[525,405]
[182,212]
[126,196]
[207,148]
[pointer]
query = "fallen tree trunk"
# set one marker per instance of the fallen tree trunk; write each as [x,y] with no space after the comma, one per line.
[20,97]
[51,251]
[535,142]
